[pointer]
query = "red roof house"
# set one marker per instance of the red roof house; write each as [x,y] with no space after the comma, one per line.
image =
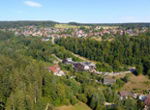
[56,70]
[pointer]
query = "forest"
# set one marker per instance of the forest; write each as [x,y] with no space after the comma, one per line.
[115,55]
[14,24]
[26,85]
[124,25]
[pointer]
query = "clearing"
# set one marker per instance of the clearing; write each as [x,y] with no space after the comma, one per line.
[137,84]
[79,106]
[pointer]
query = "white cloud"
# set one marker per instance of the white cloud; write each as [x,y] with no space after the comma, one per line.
[33,4]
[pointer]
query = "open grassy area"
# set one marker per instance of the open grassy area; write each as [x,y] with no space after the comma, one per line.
[63,26]
[137,84]
[79,106]
[97,38]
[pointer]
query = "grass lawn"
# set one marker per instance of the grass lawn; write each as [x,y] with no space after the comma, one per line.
[79,106]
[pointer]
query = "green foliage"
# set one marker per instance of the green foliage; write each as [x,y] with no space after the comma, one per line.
[126,78]
[103,67]
[139,69]
[26,83]
[120,83]
[11,24]
[115,55]
[5,36]
[82,98]
[130,104]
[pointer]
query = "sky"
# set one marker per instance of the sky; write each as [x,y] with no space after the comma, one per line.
[82,11]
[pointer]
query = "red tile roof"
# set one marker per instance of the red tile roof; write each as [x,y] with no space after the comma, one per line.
[54,68]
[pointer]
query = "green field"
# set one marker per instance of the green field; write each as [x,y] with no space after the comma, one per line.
[63,26]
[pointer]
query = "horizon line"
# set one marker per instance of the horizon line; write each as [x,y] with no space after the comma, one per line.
[72,22]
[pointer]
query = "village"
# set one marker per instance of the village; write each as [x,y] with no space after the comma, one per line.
[75,55]
[50,33]
[80,31]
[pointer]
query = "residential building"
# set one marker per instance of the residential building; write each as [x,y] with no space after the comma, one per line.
[125,95]
[109,81]
[55,69]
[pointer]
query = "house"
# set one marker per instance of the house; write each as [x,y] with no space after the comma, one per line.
[147,103]
[45,39]
[55,69]
[125,95]
[141,97]
[110,105]
[84,66]
[68,61]
[80,66]
[109,81]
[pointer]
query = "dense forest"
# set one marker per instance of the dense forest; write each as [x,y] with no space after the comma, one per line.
[116,54]
[27,85]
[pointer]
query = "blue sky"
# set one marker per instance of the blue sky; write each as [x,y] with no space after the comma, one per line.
[85,11]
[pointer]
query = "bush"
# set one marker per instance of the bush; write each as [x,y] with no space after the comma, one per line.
[82,98]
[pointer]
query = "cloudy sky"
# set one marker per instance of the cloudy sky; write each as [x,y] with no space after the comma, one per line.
[85,11]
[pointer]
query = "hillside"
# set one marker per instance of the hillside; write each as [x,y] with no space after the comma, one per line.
[116,55]
[33,77]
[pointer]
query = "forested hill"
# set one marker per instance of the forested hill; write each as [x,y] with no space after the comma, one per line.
[131,51]
[135,25]
[127,25]
[12,24]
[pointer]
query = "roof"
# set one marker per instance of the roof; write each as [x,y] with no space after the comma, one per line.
[109,81]
[68,61]
[54,68]
[147,100]
[87,64]
[125,93]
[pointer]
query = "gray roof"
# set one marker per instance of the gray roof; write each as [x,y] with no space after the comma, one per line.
[109,81]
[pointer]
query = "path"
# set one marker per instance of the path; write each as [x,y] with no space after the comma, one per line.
[47,106]
[83,58]
[53,40]
[113,73]
[60,60]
